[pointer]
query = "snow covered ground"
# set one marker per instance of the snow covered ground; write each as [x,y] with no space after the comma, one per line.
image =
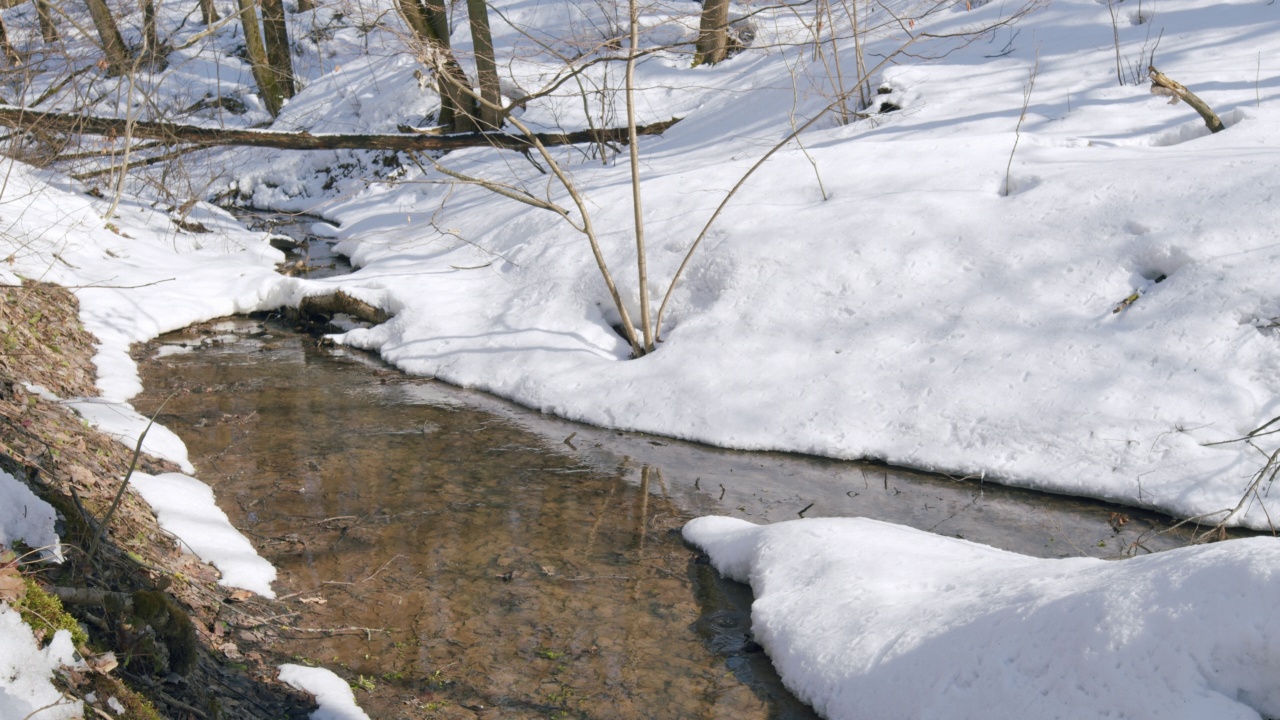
[866,619]
[904,286]
[875,294]
[917,314]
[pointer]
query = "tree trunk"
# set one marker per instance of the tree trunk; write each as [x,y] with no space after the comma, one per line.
[174,133]
[48,30]
[713,34]
[486,65]
[209,12]
[415,17]
[642,265]
[430,23]
[272,94]
[116,57]
[150,37]
[6,47]
[276,37]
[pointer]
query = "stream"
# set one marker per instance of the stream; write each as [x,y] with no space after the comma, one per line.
[483,560]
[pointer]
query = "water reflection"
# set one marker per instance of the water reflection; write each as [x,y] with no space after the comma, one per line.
[484,560]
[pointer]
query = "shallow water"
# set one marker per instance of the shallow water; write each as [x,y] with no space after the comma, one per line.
[306,255]
[490,561]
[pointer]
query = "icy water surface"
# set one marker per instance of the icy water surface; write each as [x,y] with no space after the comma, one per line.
[487,561]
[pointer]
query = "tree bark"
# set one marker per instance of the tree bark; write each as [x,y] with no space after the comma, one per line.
[10,55]
[490,110]
[272,94]
[276,37]
[116,57]
[48,30]
[208,12]
[713,33]
[174,133]
[150,36]
[430,23]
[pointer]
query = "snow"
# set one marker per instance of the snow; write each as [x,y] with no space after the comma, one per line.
[334,697]
[867,619]
[25,671]
[917,315]
[27,518]
[941,286]
[186,507]
[123,423]
[183,505]
[876,294]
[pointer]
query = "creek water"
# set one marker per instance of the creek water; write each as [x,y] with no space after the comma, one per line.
[478,559]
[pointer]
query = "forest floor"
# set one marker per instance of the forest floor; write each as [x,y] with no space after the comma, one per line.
[148,600]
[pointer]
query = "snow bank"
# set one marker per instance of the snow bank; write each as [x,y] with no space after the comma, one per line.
[865,619]
[25,669]
[334,697]
[186,507]
[124,424]
[137,274]
[912,306]
[906,288]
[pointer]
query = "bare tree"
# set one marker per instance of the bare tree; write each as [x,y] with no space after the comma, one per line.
[430,25]
[48,30]
[713,33]
[151,50]
[10,55]
[268,76]
[209,12]
[486,65]
[275,35]
[115,54]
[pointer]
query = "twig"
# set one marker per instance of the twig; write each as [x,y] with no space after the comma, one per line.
[133,464]
[1017,130]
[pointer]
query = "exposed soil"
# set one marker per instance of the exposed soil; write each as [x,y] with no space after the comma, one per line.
[79,470]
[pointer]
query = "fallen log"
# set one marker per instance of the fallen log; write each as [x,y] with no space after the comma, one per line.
[339,302]
[180,134]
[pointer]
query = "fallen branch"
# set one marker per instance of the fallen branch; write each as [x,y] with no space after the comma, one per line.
[101,531]
[175,134]
[1160,81]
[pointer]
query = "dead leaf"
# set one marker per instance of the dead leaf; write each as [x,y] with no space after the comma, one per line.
[230,650]
[11,587]
[240,595]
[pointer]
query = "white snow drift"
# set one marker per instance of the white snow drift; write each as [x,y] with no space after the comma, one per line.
[865,619]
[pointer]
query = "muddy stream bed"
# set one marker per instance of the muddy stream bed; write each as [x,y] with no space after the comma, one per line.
[482,560]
